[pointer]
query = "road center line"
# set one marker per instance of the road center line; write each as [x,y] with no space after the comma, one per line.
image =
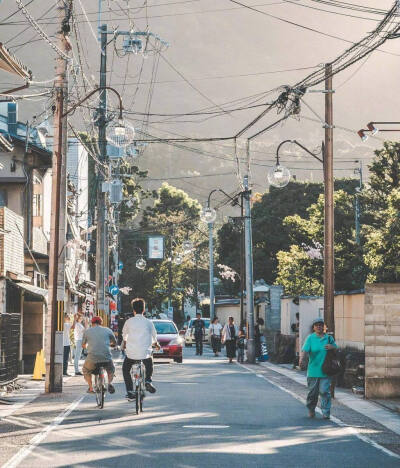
[350,429]
[38,438]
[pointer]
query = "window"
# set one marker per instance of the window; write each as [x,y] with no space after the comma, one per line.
[37,204]
[165,328]
[3,198]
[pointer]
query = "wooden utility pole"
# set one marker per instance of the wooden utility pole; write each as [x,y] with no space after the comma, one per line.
[329,267]
[54,334]
[101,240]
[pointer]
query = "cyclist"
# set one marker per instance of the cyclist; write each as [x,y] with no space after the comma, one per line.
[139,335]
[98,340]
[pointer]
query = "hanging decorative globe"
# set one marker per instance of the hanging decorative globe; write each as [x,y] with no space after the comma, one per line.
[187,246]
[141,263]
[278,176]
[208,215]
[178,259]
[119,134]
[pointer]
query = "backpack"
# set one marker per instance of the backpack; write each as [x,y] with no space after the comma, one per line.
[332,365]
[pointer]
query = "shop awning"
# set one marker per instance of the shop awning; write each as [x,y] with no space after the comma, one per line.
[35,290]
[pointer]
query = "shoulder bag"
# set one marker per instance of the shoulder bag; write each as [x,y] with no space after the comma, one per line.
[332,365]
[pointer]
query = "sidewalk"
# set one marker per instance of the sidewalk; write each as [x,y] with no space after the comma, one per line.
[374,411]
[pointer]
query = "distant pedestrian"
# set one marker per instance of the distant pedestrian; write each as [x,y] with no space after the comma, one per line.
[257,337]
[79,330]
[241,346]
[67,343]
[199,331]
[215,331]
[229,336]
[316,346]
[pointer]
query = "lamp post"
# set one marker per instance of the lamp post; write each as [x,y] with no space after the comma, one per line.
[208,216]
[279,176]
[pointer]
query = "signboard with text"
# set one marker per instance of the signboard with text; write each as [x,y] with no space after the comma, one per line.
[156,248]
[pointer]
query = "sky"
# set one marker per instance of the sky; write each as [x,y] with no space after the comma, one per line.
[218,53]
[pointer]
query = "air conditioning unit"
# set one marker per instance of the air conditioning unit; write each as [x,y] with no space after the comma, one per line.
[116,191]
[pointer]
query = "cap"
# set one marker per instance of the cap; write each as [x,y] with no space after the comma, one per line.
[318,320]
[97,319]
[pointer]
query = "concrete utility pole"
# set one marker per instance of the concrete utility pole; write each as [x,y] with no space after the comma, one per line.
[55,319]
[358,171]
[329,267]
[242,261]
[251,350]
[101,239]
[211,269]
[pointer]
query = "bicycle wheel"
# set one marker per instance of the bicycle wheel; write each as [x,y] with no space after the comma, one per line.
[137,388]
[99,383]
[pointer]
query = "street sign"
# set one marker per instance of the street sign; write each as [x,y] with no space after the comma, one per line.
[170,313]
[156,247]
[114,290]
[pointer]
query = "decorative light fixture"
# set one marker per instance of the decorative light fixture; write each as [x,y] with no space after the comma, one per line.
[371,127]
[361,133]
[119,134]
[141,263]
[187,246]
[208,215]
[178,259]
[278,176]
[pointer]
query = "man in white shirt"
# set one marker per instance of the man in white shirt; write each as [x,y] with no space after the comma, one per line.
[138,334]
[79,330]
[67,343]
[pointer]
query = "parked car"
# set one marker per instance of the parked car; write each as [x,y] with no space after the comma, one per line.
[189,339]
[169,339]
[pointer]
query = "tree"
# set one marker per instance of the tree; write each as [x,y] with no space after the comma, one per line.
[175,216]
[300,268]
[270,233]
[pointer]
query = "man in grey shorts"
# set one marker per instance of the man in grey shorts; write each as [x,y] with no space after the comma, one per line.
[98,339]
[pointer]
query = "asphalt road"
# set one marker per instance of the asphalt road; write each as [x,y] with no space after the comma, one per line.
[206,413]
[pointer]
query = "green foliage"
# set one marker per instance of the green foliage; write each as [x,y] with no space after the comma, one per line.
[175,216]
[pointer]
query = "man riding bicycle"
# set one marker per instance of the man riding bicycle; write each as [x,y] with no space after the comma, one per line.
[139,335]
[98,340]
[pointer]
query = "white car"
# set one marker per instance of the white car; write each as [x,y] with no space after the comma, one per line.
[189,339]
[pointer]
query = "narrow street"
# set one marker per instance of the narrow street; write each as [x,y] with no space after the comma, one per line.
[205,413]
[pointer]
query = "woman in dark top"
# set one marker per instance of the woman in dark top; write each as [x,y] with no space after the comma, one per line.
[229,335]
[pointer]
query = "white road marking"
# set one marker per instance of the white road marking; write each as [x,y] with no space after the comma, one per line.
[349,429]
[35,441]
[205,426]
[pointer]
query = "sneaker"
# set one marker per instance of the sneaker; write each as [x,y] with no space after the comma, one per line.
[111,388]
[131,396]
[311,413]
[326,416]
[150,387]
[78,373]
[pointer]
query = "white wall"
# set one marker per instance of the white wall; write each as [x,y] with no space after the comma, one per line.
[310,308]
[288,315]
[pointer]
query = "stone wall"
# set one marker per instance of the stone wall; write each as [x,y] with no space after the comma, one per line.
[382,341]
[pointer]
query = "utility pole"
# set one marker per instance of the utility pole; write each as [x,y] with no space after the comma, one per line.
[101,205]
[329,267]
[55,319]
[196,259]
[242,261]
[251,351]
[211,269]
[359,171]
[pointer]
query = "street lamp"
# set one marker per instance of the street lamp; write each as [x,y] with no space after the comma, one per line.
[373,129]
[208,215]
[140,262]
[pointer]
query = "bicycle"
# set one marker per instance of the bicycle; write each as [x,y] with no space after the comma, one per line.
[139,378]
[100,383]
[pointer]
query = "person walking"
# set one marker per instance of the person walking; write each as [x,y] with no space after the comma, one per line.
[257,337]
[229,336]
[316,346]
[67,343]
[79,330]
[215,332]
[198,330]
[241,346]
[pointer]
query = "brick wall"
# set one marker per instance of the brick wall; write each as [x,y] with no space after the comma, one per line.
[382,341]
